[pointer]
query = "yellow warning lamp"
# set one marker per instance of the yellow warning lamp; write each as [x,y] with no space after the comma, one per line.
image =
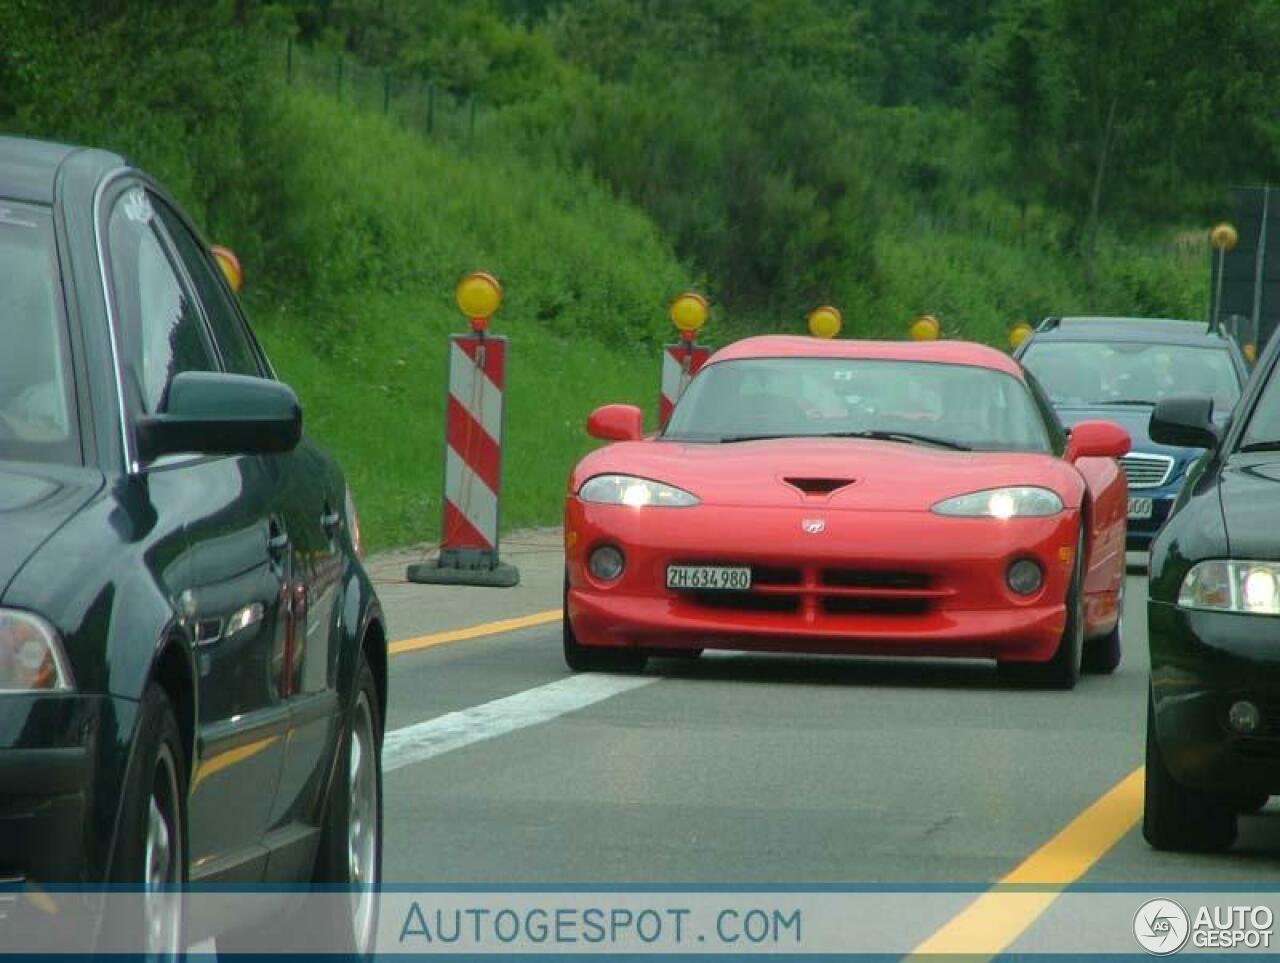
[825,321]
[1223,236]
[689,313]
[1250,353]
[925,328]
[230,265]
[479,295]
[1019,333]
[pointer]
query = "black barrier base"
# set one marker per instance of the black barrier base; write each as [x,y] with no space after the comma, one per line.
[465,568]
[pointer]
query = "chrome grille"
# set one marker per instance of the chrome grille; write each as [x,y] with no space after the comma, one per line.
[1146,471]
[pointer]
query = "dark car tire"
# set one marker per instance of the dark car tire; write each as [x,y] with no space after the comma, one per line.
[1247,803]
[1102,655]
[355,802]
[582,658]
[1176,817]
[151,846]
[1063,670]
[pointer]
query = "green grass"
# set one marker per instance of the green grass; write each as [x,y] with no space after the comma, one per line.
[373,225]
[378,225]
[377,404]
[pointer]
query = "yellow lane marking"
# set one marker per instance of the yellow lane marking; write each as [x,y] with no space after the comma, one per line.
[474,632]
[230,758]
[990,924]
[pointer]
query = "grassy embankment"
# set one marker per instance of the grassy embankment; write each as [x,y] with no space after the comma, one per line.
[375,225]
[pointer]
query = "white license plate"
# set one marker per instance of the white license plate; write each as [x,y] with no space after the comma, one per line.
[1139,507]
[715,578]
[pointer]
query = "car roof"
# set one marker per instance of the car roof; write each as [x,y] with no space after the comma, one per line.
[29,168]
[1154,330]
[939,352]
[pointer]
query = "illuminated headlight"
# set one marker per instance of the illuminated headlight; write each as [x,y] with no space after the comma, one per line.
[1024,501]
[1249,587]
[31,656]
[635,492]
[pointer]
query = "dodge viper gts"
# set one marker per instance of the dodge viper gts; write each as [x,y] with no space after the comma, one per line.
[860,497]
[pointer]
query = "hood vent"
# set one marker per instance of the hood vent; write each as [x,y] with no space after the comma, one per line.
[818,486]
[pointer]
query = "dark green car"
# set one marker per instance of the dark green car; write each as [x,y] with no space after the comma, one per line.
[192,657]
[1213,718]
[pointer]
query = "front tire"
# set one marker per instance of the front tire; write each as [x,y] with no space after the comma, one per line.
[1176,817]
[1102,655]
[351,839]
[582,658]
[152,845]
[1063,670]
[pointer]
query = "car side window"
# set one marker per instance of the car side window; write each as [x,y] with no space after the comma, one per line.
[238,354]
[161,329]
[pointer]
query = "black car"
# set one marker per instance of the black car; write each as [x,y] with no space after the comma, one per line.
[1119,368]
[192,658]
[1213,718]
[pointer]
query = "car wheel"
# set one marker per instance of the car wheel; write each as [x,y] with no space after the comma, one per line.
[351,838]
[582,658]
[1063,670]
[1177,817]
[152,844]
[1102,655]
[1247,803]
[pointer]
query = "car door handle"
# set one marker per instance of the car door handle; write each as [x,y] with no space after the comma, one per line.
[330,521]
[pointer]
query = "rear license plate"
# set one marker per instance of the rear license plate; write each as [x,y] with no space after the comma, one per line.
[1139,507]
[715,578]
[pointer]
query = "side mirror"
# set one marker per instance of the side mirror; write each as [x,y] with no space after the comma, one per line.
[210,413]
[616,423]
[1185,422]
[1096,439]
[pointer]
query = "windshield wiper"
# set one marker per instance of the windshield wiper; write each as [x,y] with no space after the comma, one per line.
[730,439]
[1273,445]
[1128,401]
[907,436]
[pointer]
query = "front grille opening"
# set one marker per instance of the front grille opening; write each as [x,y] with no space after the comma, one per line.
[744,601]
[818,486]
[846,605]
[872,579]
[775,575]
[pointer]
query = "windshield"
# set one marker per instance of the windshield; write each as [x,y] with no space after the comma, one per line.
[951,404]
[35,395]
[1131,372]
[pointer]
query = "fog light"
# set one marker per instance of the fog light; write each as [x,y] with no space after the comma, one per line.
[1244,718]
[606,563]
[1025,576]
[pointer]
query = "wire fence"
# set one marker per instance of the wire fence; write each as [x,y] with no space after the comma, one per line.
[415,102]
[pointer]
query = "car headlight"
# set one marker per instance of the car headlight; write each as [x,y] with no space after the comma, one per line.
[1224,586]
[1021,501]
[635,492]
[31,656]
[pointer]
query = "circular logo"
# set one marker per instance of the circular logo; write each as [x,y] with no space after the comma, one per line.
[1161,927]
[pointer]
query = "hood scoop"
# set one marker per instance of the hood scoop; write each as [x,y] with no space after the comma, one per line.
[819,486]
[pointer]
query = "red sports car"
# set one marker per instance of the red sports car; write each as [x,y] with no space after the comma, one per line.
[863,497]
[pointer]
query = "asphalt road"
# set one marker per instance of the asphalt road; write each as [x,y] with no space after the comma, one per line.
[749,769]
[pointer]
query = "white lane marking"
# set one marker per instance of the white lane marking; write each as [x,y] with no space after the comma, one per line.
[434,737]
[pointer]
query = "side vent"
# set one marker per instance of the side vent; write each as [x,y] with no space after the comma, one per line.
[818,486]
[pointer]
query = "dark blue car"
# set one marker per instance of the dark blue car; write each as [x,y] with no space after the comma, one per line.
[1118,369]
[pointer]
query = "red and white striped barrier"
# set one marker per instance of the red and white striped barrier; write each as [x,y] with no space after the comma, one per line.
[472,467]
[680,362]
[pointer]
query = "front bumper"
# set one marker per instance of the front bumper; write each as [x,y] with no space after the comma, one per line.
[1202,663]
[889,583]
[47,800]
